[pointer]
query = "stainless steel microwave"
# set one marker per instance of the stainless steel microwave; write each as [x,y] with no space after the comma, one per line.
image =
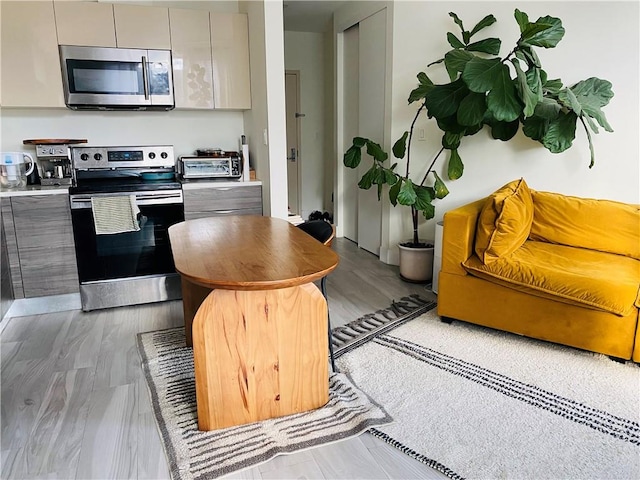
[100,78]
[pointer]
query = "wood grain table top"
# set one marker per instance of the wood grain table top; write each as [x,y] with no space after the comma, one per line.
[248,253]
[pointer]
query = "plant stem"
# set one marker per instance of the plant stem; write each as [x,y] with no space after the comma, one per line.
[424,179]
[414,217]
[415,119]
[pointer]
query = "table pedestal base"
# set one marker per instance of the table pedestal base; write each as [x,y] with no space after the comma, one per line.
[260,355]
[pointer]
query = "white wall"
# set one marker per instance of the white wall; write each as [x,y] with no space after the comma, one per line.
[304,51]
[185,130]
[601,40]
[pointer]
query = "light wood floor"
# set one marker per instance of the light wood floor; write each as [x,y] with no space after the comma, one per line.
[74,402]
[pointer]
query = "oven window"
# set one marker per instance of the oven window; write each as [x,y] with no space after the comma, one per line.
[102,77]
[130,254]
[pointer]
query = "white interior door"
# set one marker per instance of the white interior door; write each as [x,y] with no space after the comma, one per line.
[350,101]
[292,99]
[372,48]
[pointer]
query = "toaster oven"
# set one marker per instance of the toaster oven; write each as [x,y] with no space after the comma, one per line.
[209,167]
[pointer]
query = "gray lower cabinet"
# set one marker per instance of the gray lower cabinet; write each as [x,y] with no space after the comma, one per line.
[40,245]
[215,201]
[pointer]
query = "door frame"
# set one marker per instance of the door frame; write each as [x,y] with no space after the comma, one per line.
[296,74]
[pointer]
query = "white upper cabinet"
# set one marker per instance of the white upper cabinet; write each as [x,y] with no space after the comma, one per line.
[191,52]
[31,75]
[85,24]
[142,27]
[230,59]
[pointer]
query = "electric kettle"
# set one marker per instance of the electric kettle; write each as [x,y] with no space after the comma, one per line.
[13,172]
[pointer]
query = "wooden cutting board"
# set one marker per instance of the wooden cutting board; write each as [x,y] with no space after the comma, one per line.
[53,141]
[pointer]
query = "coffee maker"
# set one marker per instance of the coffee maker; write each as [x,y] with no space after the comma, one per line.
[54,160]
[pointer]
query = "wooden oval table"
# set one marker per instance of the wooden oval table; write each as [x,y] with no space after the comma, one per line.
[257,323]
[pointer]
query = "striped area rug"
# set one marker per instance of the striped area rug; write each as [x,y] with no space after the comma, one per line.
[473,402]
[192,454]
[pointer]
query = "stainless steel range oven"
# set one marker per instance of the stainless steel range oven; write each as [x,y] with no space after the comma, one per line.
[131,265]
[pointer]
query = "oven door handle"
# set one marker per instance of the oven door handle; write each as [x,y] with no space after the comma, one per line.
[84,201]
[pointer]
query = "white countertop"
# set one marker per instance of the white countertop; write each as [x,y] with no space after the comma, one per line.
[64,190]
[34,190]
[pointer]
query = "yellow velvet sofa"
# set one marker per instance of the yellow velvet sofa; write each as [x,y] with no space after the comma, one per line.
[545,265]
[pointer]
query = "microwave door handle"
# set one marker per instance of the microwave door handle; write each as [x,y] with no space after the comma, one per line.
[145,77]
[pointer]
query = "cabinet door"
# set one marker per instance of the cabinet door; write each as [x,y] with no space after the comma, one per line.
[191,52]
[85,24]
[218,201]
[45,244]
[230,59]
[142,27]
[31,75]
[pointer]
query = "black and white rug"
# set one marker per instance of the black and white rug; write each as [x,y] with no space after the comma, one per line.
[478,403]
[192,454]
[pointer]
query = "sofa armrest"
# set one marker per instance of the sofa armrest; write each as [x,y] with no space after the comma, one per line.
[459,235]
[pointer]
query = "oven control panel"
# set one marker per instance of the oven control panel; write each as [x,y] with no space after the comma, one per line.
[98,158]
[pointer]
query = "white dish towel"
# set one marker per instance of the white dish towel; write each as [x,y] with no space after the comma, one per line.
[117,214]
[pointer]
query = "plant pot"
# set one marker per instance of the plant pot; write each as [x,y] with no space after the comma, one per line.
[416,263]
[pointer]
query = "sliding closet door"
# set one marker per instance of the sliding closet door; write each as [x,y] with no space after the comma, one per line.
[363,101]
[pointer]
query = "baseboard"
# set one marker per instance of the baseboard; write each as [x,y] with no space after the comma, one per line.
[39,305]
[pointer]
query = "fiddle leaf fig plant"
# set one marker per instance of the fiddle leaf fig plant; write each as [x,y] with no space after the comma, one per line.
[485,89]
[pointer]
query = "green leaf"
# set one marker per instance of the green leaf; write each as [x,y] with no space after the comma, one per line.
[593,125]
[422,90]
[561,132]
[503,100]
[552,86]
[407,195]
[592,94]
[457,20]
[451,141]
[424,197]
[423,79]
[454,41]
[450,124]
[399,148]
[455,168]
[548,108]
[546,32]
[436,62]
[591,149]
[393,192]
[472,108]
[480,73]
[439,187]
[376,151]
[488,45]
[569,100]
[367,179]
[504,130]
[528,97]
[522,19]
[534,80]
[530,56]
[390,178]
[359,141]
[466,37]
[473,129]
[535,127]
[443,100]
[484,23]
[455,61]
[352,156]
[429,212]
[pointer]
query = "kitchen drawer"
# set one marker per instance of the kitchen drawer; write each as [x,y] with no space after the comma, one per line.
[221,213]
[227,200]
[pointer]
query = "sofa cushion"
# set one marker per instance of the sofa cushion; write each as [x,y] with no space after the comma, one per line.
[504,222]
[602,225]
[597,280]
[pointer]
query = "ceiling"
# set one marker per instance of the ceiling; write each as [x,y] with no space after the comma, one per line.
[309,15]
